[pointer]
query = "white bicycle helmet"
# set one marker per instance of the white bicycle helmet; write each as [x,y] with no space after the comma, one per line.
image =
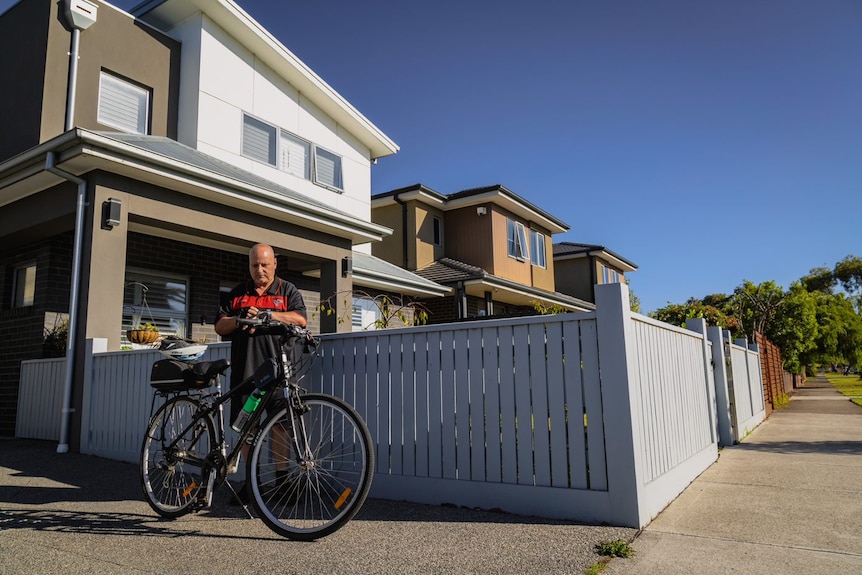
[181,349]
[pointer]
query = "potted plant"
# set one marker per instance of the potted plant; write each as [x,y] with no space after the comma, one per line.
[143,334]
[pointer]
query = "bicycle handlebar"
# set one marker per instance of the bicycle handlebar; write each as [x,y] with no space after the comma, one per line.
[264,319]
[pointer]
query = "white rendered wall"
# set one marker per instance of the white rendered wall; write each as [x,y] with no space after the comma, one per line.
[221,79]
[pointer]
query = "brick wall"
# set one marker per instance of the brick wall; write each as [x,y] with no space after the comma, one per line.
[22,330]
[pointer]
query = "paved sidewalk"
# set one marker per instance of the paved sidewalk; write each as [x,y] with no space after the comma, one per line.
[787,500]
[74,514]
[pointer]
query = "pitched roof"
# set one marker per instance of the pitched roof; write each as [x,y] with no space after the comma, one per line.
[371,271]
[447,271]
[166,14]
[564,250]
[495,194]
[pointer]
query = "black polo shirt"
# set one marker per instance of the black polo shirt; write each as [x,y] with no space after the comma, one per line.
[247,351]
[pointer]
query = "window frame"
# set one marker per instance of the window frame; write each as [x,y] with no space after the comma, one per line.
[516,239]
[315,155]
[338,173]
[142,124]
[168,321]
[537,249]
[28,294]
[437,230]
[364,310]
[308,148]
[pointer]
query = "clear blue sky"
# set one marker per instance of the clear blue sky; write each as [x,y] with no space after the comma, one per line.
[708,142]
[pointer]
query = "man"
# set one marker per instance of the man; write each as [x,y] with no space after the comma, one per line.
[250,347]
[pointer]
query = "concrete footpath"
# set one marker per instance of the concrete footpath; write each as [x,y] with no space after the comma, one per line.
[787,500]
[74,514]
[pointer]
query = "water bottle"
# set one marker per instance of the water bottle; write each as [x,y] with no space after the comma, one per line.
[250,405]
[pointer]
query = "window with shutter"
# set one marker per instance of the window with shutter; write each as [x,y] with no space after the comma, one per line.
[157,298]
[258,140]
[289,153]
[295,158]
[123,105]
[327,168]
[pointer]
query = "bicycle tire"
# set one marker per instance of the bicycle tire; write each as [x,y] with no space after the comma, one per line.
[172,477]
[310,499]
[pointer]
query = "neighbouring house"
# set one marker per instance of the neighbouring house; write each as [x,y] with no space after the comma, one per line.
[143,153]
[488,244]
[579,268]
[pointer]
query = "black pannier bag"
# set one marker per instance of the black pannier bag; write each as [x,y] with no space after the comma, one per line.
[172,375]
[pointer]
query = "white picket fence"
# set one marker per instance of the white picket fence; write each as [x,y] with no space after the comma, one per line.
[601,417]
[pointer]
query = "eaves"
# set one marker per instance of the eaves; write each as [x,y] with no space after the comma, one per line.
[80,151]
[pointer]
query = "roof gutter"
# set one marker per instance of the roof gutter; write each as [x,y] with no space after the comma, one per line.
[66,414]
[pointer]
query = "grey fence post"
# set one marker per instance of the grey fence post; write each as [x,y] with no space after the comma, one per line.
[698,325]
[722,397]
[620,397]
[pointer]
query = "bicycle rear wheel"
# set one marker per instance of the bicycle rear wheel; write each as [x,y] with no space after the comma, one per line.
[172,461]
[309,488]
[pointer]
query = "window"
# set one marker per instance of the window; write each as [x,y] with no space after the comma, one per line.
[24,286]
[610,276]
[438,231]
[268,144]
[365,314]
[517,238]
[327,169]
[295,156]
[157,298]
[258,140]
[537,248]
[123,105]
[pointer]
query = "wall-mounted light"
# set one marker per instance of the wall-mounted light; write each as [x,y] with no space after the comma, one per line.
[481,210]
[111,213]
[346,266]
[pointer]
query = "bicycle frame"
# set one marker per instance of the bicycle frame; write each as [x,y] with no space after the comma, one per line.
[207,407]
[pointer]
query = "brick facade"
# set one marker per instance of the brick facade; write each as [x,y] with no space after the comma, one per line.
[22,330]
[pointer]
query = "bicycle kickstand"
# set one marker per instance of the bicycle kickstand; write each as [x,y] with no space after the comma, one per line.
[238,498]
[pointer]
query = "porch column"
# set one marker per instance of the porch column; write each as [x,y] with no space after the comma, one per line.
[336,293]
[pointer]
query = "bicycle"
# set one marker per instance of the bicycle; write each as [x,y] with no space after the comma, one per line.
[311,462]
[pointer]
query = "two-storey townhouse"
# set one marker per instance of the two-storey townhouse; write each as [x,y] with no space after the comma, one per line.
[143,154]
[488,244]
[579,268]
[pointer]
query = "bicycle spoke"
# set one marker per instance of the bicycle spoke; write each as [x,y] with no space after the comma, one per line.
[314,493]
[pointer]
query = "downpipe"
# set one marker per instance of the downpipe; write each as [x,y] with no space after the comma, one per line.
[66,417]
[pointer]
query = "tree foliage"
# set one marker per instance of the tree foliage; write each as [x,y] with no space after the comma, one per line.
[849,272]
[677,314]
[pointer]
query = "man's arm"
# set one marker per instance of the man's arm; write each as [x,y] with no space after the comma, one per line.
[226,325]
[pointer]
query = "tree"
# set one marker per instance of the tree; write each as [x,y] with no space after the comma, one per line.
[839,339]
[634,301]
[677,314]
[756,305]
[849,272]
[819,279]
[793,327]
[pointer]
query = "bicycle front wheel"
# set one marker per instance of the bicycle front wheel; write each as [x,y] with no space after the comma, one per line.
[309,486]
[173,455]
